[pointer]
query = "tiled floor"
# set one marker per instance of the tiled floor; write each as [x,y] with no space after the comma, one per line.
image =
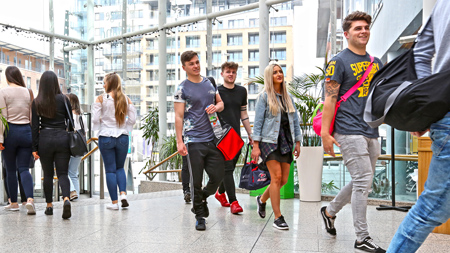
[162,222]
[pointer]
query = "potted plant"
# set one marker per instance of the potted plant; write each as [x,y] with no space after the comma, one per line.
[310,161]
[150,133]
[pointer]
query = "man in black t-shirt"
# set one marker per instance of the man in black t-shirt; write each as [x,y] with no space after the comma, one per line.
[357,141]
[235,100]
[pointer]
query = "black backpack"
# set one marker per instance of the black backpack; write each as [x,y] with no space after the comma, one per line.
[404,102]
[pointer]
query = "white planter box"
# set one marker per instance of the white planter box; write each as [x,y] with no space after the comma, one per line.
[309,167]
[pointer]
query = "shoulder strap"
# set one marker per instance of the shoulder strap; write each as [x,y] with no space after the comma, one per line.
[31,100]
[69,113]
[359,83]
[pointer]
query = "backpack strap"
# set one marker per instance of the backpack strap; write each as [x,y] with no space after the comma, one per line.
[359,83]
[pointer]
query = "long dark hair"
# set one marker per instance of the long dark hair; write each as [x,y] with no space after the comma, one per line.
[74,102]
[13,75]
[46,99]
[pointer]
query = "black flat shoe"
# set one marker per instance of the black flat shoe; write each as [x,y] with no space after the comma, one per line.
[66,210]
[49,211]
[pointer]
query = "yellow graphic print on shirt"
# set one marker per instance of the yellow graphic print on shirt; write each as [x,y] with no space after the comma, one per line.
[358,70]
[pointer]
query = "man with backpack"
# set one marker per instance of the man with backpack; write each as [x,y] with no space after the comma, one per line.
[433,206]
[357,141]
[193,101]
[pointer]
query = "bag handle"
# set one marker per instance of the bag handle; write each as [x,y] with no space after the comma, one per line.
[69,114]
[246,153]
[359,83]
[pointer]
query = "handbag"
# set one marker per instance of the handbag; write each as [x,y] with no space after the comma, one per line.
[404,102]
[230,143]
[317,115]
[252,177]
[77,138]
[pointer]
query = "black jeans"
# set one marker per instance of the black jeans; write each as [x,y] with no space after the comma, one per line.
[204,156]
[54,150]
[228,184]
[185,175]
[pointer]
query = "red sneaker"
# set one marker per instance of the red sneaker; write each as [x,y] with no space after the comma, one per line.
[222,198]
[236,208]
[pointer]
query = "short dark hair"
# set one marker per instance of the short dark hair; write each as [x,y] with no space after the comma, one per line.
[230,65]
[187,56]
[355,16]
[13,75]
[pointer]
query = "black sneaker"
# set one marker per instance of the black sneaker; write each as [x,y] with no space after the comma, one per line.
[261,207]
[187,197]
[66,210]
[203,210]
[280,223]
[49,211]
[329,222]
[368,245]
[200,224]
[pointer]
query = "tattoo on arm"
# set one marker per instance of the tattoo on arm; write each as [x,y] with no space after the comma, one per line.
[243,108]
[332,89]
[244,119]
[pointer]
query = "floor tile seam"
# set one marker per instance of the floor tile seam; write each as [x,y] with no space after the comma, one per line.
[262,230]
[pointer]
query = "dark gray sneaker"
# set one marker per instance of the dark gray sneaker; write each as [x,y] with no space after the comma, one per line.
[329,222]
[261,207]
[200,224]
[280,223]
[187,197]
[368,245]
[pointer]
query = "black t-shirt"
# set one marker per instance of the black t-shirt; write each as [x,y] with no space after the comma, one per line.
[232,99]
[347,68]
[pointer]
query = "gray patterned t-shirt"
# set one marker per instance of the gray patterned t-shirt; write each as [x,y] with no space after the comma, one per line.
[196,96]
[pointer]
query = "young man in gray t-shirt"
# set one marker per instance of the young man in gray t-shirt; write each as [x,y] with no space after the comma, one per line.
[357,141]
[193,101]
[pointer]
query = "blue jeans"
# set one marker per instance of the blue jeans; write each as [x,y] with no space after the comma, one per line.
[433,206]
[17,154]
[74,163]
[114,151]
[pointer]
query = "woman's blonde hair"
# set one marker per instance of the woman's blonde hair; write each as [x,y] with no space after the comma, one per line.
[114,85]
[274,103]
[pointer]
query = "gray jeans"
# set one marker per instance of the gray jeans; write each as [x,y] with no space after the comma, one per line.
[360,155]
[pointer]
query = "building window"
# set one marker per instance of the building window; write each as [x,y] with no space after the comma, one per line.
[217,40]
[136,14]
[253,55]
[251,105]
[170,106]
[278,21]
[29,82]
[253,38]
[237,23]
[37,84]
[253,22]
[217,56]
[252,88]
[152,43]
[99,16]
[152,59]
[235,56]
[116,31]
[171,42]
[170,89]
[171,74]
[171,59]
[116,15]
[279,54]
[192,41]
[99,62]
[234,40]
[100,32]
[278,37]
[152,75]
[253,71]
[283,67]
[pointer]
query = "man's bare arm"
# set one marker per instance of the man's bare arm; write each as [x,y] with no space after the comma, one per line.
[331,95]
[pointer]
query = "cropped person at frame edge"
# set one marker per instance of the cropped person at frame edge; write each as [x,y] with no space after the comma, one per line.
[276,130]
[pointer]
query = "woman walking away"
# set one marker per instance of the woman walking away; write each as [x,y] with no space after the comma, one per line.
[51,140]
[15,101]
[74,162]
[275,129]
[114,116]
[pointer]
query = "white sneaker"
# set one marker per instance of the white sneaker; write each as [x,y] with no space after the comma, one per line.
[31,210]
[123,199]
[112,206]
[11,208]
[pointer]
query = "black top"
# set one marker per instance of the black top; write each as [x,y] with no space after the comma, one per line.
[233,99]
[58,122]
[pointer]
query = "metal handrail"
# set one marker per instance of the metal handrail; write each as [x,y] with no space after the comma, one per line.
[93,139]
[160,163]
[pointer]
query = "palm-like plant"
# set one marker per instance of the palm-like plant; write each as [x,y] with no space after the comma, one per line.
[167,149]
[150,133]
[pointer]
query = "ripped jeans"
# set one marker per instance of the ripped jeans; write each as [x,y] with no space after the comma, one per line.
[360,155]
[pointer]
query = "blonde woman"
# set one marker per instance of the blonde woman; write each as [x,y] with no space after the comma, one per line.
[114,116]
[275,131]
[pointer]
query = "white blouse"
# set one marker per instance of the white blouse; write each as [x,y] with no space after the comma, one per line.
[104,120]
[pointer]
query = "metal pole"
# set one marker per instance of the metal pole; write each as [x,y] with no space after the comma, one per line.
[333,27]
[89,95]
[124,40]
[162,87]
[176,46]
[263,37]
[51,63]
[209,38]
[102,179]
[66,54]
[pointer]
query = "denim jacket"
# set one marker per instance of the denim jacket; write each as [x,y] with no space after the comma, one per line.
[267,126]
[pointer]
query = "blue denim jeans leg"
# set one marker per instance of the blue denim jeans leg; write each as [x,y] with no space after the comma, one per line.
[74,163]
[433,206]
[114,151]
